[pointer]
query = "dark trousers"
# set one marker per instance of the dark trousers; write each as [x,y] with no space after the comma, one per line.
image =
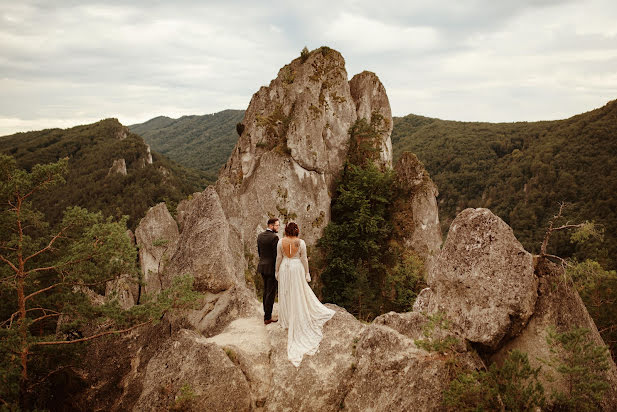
[270,287]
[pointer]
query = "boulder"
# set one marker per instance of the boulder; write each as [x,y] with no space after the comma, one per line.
[247,341]
[217,310]
[416,215]
[157,238]
[483,279]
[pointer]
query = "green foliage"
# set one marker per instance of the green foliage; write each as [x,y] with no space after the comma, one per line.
[433,343]
[356,239]
[304,54]
[513,386]
[405,278]
[365,271]
[202,143]
[184,400]
[582,365]
[91,150]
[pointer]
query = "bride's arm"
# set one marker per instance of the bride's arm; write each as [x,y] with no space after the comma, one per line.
[304,260]
[279,257]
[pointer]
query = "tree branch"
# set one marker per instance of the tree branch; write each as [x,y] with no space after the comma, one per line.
[38,292]
[8,262]
[72,262]
[10,320]
[51,242]
[45,317]
[68,342]
[37,187]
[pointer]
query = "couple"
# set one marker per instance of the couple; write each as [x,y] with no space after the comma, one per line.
[284,263]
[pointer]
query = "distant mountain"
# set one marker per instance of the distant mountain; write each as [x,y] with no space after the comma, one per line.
[99,155]
[521,171]
[199,142]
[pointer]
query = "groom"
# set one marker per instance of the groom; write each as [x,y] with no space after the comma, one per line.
[266,247]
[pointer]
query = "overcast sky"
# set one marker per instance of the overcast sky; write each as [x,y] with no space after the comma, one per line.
[64,63]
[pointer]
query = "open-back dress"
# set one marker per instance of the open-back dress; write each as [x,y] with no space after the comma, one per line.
[299,309]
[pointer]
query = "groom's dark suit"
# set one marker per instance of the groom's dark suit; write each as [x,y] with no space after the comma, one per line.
[266,247]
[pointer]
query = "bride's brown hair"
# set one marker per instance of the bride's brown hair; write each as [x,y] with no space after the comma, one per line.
[292,229]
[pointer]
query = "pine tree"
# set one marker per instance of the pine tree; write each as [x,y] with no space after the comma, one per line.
[48,276]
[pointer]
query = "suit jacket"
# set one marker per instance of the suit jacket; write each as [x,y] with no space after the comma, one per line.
[266,247]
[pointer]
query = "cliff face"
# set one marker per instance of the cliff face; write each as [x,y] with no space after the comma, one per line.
[295,142]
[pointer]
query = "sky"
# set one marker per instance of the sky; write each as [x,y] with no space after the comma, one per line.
[65,63]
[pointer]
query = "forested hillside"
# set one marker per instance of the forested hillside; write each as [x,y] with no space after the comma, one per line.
[199,142]
[92,150]
[521,171]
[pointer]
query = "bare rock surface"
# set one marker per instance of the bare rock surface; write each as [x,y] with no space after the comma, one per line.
[394,375]
[322,380]
[157,238]
[203,369]
[207,248]
[217,310]
[125,289]
[483,279]
[416,214]
[119,167]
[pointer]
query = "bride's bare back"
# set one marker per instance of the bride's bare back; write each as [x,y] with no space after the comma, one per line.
[290,246]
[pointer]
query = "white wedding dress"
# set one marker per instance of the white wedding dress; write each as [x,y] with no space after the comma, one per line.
[299,309]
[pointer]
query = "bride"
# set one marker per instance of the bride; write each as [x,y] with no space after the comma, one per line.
[299,309]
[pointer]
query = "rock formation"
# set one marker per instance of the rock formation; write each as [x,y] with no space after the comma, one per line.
[119,166]
[294,143]
[560,307]
[222,356]
[157,238]
[483,279]
[416,218]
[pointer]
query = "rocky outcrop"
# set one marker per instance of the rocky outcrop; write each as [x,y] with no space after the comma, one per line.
[483,279]
[125,289]
[208,248]
[393,374]
[370,98]
[416,217]
[119,167]
[157,238]
[560,307]
[294,143]
[188,373]
[221,356]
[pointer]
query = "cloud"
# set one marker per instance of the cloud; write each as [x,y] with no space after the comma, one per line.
[79,61]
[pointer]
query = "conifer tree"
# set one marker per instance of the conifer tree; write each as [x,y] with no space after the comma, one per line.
[49,276]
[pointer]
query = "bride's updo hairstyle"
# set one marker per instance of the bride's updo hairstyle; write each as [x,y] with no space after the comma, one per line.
[292,229]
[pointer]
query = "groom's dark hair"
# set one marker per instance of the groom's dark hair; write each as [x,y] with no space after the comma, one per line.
[272,221]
